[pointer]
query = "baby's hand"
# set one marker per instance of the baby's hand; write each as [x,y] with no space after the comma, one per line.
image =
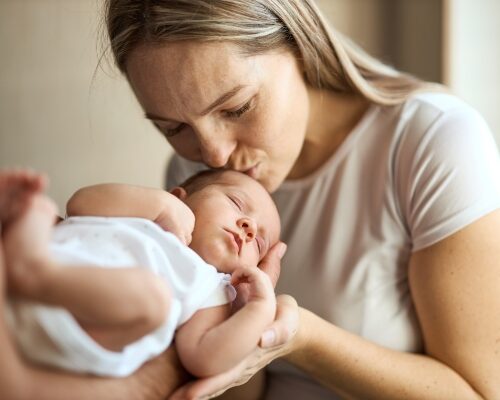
[178,219]
[259,284]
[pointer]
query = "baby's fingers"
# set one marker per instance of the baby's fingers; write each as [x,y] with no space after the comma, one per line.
[245,275]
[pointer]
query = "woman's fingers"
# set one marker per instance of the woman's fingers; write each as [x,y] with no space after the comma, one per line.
[270,264]
[283,330]
[285,325]
[212,387]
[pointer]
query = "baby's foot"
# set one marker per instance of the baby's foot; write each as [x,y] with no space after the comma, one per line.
[26,247]
[17,187]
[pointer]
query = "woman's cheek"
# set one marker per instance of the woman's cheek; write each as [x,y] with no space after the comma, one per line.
[185,145]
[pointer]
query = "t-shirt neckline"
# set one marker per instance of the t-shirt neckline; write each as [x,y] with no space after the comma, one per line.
[338,155]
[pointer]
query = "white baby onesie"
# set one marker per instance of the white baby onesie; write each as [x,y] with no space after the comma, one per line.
[51,336]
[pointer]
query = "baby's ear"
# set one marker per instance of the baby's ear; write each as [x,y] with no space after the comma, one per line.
[179,192]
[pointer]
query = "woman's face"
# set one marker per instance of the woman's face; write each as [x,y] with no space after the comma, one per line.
[223,108]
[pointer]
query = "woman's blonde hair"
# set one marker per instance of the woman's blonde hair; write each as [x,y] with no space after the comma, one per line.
[330,60]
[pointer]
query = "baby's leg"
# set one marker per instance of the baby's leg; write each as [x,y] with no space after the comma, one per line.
[118,305]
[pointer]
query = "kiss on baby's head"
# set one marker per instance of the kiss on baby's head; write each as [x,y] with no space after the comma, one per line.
[236,219]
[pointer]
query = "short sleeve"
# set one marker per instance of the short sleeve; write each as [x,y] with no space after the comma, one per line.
[447,172]
[225,293]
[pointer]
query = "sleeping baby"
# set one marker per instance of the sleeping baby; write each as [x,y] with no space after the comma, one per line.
[106,289]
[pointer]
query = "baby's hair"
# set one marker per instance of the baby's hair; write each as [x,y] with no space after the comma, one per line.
[200,180]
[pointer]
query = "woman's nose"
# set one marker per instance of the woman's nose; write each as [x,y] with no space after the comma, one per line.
[249,228]
[216,148]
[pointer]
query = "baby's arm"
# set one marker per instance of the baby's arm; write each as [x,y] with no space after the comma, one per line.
[120,200]
[212,341]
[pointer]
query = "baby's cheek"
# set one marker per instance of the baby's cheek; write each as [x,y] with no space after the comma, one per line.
[211,252]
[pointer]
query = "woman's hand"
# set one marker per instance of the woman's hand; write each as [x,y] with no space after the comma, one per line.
[156,379]
[271,263]
[277,341]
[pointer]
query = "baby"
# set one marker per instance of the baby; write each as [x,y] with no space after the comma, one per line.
[86,294]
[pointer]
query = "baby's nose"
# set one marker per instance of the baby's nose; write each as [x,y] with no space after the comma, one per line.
[249,228]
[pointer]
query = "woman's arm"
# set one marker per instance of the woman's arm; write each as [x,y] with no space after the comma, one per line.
[284,326]
[455,285]
[21,381]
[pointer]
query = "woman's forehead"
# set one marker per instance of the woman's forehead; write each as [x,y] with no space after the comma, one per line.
[194,73]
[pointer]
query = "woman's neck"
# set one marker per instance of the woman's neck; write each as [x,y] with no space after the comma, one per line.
[332,117]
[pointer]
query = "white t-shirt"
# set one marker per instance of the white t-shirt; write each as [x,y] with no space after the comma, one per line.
[51,336]
[405,178]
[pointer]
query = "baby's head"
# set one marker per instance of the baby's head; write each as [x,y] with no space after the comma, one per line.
[236,220]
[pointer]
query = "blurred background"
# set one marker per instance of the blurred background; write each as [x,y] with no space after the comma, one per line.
[61,114]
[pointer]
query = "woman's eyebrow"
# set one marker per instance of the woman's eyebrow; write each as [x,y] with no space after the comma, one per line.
[157,118]
[222,99]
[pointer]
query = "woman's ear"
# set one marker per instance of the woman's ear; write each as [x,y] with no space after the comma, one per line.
[179,192]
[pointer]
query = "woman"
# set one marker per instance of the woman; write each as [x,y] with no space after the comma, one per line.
[388,190]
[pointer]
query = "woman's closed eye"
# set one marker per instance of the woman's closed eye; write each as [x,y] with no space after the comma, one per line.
[240,111]
[170,132]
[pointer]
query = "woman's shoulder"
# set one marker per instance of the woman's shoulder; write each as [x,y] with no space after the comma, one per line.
[431,118]
[439,101]
[422,110]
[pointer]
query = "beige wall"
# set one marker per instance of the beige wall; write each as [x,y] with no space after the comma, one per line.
[402,33]
[472,59]
[55,117]
[360,19]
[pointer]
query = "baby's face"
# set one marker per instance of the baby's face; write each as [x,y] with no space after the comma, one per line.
[236,222]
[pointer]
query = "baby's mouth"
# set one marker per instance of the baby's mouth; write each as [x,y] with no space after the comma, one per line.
[238,243]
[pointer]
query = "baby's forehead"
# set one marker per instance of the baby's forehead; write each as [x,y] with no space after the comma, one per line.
[244,184]
[257,197]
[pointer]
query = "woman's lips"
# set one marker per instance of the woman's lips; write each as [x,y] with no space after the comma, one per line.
[252,171]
